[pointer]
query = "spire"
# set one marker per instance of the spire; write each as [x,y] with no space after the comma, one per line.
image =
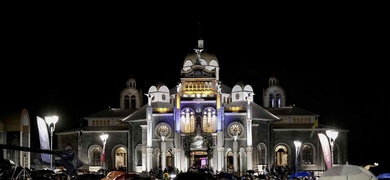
[200,41]
[199,30]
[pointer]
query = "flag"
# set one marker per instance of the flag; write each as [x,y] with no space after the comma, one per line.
[102,156]
[314,126]
[43,138]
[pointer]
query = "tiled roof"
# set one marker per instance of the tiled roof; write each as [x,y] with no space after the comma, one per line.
[289,110]
[96,128]
[258,112]
[225,89]
[141,113]
[112,113]
[105,128]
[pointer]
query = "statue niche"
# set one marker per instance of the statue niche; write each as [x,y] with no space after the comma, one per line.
[198,142]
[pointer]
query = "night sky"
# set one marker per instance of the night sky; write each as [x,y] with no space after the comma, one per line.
[330,60]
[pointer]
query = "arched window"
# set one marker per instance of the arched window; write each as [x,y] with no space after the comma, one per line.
[169,158]
[281,154]
[133,102]
[187,120]
[271,100]
[138,155]
[229,159]
[336,154]
[120,158]
[95,153]
[307,154]
[278,100]
[262,154]
[209,120]
[127,102]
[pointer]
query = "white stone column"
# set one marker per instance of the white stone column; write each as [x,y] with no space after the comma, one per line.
[235,159]
[163,155]
[149,152]
[220,158]
[149,132]
[178,159]
[249,158]
[249,148]
[219,148]
[144,139]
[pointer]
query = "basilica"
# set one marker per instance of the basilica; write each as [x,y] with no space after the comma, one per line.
[202,122]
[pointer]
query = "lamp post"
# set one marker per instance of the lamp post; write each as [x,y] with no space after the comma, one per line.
[103,137]
[332,135]
[297,149]
[51,122]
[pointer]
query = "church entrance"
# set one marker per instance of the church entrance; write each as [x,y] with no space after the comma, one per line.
[199,160]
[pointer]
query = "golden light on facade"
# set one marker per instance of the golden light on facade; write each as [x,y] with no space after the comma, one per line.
[162,110]
[199,92]
[236,108]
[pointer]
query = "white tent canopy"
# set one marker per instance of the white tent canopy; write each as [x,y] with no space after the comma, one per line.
[348,172]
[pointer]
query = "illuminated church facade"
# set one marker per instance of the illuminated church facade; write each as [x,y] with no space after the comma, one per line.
[202,122]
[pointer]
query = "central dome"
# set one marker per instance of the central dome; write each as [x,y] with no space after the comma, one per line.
[200,57]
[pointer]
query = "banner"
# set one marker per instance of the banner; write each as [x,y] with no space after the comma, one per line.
[102,156]
[326,150]
[43,138]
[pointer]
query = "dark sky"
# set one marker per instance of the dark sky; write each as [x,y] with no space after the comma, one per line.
[330,59]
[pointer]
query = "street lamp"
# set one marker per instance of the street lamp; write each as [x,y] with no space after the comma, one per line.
[297,149]
[103,137]
[332,135]
[51,122]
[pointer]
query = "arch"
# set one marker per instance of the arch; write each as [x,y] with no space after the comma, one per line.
[127,102]
[261,154]
[120,157]
[229,160]
[69,147]
[282,153]
[94,153]
[138,155]
[130,98]
[187,120]
[170,158]
[241,162]
[336,154]
[213,63]
[156,158]
[209,120]
[133,102]
[308,155]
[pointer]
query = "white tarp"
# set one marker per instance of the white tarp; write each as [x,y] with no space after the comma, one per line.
[348,172]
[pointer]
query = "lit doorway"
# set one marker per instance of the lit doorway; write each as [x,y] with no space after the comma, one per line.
[199,160]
